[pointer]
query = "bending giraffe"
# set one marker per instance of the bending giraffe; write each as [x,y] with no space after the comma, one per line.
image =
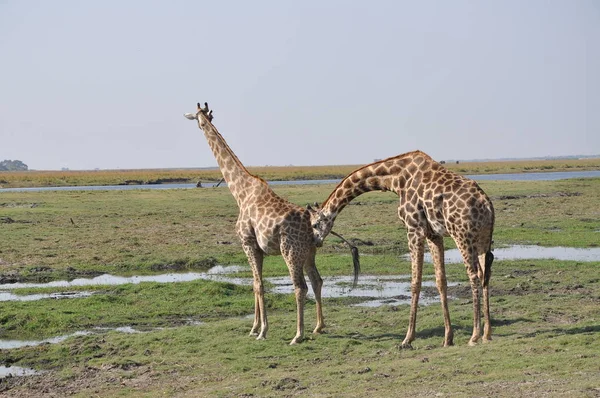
[434,202]
[267,224]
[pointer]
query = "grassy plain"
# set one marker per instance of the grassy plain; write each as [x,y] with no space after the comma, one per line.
[271,173]
[545,312]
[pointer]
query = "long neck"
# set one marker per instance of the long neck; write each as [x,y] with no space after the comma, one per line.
[386,175]
[235,174]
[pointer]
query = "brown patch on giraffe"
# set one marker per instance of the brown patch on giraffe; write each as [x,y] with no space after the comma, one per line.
[395,169]
[380,170]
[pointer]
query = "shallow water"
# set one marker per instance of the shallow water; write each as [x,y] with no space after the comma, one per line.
[549,176]
[16,371]
[380,287]
[10,344]
[530,252]
[7,296]
[216,273]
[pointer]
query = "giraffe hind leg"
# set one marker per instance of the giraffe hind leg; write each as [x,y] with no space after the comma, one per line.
[416,246]
[473,271]
[436,247]
[486,260]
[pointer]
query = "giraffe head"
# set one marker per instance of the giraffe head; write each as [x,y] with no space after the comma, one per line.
[321,223]
[202,115]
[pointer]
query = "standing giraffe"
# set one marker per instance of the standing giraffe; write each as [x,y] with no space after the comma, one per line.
[434,202]
[267,224]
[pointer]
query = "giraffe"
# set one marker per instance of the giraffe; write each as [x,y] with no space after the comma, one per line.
[434,202]
[267,224]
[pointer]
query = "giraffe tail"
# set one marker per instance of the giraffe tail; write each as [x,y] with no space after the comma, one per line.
[489,258]
[355,257]
[356,263]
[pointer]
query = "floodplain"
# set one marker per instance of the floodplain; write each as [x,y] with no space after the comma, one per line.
[191,338]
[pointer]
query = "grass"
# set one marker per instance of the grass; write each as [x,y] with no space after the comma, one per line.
[36,178]
[545,312]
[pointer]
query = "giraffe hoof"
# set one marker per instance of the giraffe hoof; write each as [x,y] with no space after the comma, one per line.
[487,340]
[448,343]
[318,330]
[406,345]
[472,343]
[253,333]
[296,340]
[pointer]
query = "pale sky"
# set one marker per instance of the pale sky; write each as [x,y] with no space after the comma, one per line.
[104,84]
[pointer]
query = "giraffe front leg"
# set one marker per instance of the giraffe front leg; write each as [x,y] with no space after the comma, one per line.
[300,292]
[255,258]
[295,258]
[416,246]
[474,280]
[317,283]
[256,324]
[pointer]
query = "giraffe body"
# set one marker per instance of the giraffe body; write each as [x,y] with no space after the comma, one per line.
[267,224]
[434,202]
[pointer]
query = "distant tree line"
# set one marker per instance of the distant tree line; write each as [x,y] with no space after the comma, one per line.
[12,165]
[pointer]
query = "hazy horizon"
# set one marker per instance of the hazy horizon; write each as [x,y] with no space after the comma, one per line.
[216,167]
[104,85]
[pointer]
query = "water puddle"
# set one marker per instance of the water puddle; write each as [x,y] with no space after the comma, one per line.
[217,273]
[16,371]
[530,252]
[12,344]
[376,287]
[376,290]
[7,296]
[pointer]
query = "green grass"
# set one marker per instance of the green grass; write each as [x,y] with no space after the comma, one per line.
[545,312]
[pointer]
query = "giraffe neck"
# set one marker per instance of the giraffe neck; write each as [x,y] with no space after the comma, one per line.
[387,175]
[236,176]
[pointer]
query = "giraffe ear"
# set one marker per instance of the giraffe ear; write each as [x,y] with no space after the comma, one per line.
[190,116]
[308,207]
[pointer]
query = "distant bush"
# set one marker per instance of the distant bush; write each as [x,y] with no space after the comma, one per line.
[13,165]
